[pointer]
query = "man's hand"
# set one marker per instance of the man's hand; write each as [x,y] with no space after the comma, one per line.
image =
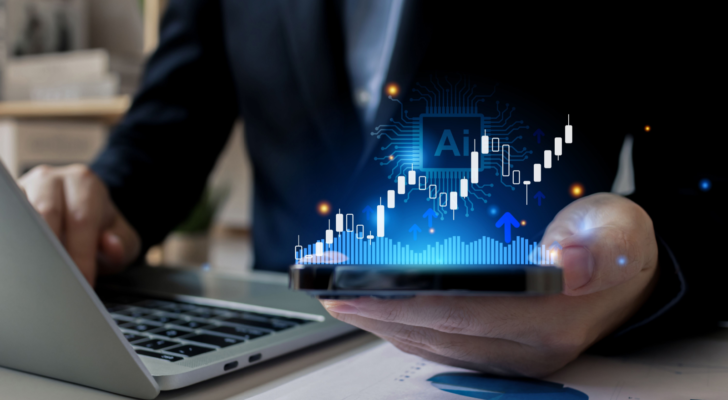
[609,259]
[77,207]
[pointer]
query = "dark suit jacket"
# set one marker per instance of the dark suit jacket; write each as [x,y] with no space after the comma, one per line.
[279,65]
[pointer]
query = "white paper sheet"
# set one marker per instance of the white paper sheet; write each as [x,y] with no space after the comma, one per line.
[691,369]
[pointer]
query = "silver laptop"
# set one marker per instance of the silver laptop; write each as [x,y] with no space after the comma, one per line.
[146,330]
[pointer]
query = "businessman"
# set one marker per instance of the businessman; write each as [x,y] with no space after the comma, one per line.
[307,78]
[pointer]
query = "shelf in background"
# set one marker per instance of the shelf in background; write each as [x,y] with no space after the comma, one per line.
[111,109]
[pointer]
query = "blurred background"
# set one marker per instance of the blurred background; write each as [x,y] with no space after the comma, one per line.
[68,71]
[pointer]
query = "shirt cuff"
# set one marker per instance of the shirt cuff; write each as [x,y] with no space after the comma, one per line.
[639,329]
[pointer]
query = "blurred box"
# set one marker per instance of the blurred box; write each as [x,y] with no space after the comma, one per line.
[25,144]
[45,26]
[60,76]
[44,49]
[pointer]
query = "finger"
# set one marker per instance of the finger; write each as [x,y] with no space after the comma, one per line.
[601,258]
[504,355]
[83,221]
[119,246]
[47,197]
[567,222]
[493,317]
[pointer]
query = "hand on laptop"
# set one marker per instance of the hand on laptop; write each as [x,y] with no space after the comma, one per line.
[77,207]
[610,262]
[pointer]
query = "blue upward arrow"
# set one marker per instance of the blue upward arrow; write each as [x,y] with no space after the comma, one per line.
[538,134]
[429,214]
[507,219]
[555,245]
[414,229]
[539,196]
[367,210]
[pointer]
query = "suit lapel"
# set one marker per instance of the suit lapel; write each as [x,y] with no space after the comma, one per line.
[410,45]
[317,50]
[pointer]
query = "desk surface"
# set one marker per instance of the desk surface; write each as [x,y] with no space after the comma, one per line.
[241,384]
[109,109]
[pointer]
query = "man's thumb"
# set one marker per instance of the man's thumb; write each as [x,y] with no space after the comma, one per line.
[598,259]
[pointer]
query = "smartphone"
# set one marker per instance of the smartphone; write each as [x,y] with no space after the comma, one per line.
[329,281]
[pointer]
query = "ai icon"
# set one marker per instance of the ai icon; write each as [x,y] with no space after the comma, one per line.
[446,141]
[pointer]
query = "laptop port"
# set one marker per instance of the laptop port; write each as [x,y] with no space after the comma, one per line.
[255,357]
[230,365]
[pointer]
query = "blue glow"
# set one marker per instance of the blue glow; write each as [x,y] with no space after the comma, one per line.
[622,260]
[350,249]
[705,184]
[493,210]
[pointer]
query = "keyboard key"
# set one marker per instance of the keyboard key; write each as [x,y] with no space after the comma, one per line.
[189,350]
[214,340]
[138,327]
[177,308]
[201,312]
[188,324]
[133,338]
[171,308]
[246,333]
[162,319]
[121,322]
[134,312]
[269,324]
[171,332]
[156,344]
[159,355]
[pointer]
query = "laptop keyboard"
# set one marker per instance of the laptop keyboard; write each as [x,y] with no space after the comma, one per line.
[174,330]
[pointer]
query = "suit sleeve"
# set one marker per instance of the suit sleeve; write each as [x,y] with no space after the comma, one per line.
[158,158]
[682,187]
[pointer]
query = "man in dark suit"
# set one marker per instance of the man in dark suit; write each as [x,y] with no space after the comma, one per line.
[307,78]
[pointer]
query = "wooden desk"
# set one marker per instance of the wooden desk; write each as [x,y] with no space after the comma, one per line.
[109,110]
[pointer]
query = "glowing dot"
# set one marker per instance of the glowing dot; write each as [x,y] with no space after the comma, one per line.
[576,190]
[493,210]
[523,222]
[622,260]
[392,89]
[705,185]
[432,230]
[391,157]
[323,208]
[647,128]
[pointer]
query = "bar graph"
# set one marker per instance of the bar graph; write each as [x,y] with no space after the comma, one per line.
[347,249]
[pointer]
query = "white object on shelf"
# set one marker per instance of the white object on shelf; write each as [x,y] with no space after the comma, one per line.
[27,143]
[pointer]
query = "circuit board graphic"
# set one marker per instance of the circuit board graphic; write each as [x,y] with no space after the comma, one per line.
[450,140]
